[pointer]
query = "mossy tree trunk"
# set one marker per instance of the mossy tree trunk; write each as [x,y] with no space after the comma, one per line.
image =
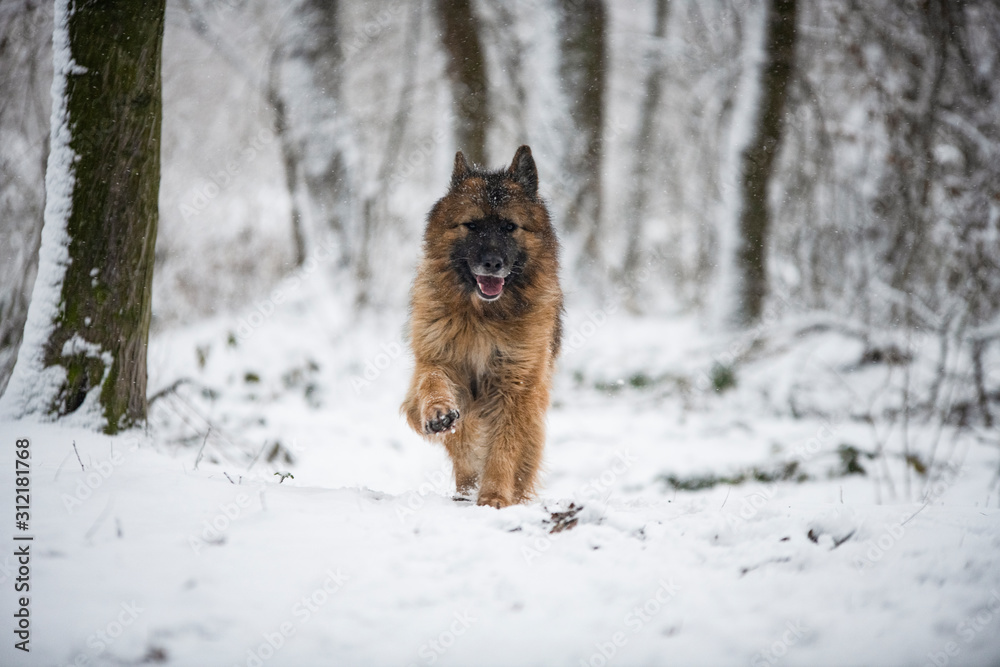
[583,36]
[114,110]
[757,161]
[467,71]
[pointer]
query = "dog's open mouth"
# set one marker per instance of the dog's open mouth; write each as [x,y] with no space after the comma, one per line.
[490,287]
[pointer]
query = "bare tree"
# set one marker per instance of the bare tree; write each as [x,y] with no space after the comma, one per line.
[644,151]
[460,35]
[756,162]
[311,124]
[583,67]
[88,322]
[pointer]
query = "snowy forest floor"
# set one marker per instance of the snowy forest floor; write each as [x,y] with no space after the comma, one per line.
[775,522]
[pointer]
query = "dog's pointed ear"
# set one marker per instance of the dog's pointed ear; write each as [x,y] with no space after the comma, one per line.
[461,170]
[523,172]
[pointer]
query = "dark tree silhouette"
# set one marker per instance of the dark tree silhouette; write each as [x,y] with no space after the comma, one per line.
[467,71]
[757,161]
[583,68]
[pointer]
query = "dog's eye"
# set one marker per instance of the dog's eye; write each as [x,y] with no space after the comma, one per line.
[471,226]
[510,227]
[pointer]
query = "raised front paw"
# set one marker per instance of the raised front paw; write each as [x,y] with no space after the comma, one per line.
[440,420]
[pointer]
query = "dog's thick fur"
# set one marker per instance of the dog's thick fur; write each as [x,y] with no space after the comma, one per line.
[484,361]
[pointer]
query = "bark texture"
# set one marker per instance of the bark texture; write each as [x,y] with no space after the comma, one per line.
[115,109]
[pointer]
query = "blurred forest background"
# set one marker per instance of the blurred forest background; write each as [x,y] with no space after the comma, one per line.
[327,130]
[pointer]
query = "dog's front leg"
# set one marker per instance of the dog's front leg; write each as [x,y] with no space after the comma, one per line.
[516,440]
[431,405]
[432,410]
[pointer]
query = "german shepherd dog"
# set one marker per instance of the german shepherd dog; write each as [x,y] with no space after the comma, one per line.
[485,328]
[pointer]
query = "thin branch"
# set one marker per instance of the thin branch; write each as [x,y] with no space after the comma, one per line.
[202,450]
[169,389]
[78,457]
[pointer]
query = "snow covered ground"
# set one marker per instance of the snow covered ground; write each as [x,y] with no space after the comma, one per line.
[182,546]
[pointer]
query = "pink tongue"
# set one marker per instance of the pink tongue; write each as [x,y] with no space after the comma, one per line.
[490,285]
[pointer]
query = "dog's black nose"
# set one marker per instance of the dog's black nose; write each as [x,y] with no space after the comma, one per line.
[491,262]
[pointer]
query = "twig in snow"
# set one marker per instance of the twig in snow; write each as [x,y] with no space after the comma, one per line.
[180,405]
[264,446]
[78,456]
[202,450]
[915,514]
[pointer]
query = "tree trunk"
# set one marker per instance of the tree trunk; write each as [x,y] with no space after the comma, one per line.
[290,162]
[88,323]
[467,71]
[757,162]
[311,127]
[376,204]
[644,148]
[583,67]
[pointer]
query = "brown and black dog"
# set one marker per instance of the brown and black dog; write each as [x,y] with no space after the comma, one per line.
[485,328]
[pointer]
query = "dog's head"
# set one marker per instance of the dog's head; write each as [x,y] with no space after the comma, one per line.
[491,231]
